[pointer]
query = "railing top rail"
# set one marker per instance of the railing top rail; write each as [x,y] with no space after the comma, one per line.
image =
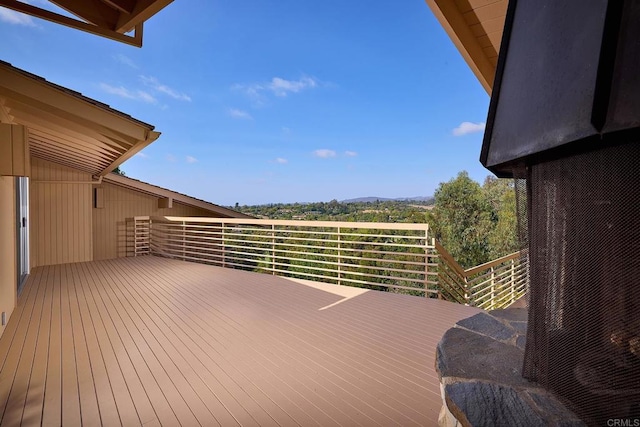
[478,268]
[449,259]
[298,223]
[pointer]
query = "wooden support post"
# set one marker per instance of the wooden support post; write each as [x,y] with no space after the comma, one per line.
[148,238]
[339,256]
[184,248]
[135,237]
[493,289]
[426,265]
[467,292]
[513,281]
[273,250]
[223,245]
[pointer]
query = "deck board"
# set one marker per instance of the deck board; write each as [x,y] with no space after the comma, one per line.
[153,341]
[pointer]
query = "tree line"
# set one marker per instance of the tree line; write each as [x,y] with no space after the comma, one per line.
[475,223]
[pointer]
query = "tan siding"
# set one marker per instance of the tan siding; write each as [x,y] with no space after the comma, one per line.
[60,214]
[120,205]
[8,274]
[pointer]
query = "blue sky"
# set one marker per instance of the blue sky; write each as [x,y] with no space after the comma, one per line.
[278,101]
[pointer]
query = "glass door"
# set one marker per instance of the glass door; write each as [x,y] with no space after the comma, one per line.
[22,217]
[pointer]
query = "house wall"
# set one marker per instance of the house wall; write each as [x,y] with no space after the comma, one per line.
[8,267]
[60,214]
[111,224]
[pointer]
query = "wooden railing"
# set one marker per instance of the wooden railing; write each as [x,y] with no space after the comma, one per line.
[396,257]
[495,284]
[393,257]
[141,235]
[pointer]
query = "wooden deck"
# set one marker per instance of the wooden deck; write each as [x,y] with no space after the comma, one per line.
[152,341]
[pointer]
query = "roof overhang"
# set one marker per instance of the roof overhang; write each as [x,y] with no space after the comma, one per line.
[107,18]
[68,128]
[475,27]
[154,190]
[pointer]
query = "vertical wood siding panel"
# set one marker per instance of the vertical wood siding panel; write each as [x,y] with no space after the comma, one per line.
[120,204]
[60,215]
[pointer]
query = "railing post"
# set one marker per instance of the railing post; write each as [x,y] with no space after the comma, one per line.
[149,227]
[339,256]
[426,264]
[135,237]
[184,247]
[148,238]
[223,245]
[493,289]
[141,236]
[439,268]
[513,280]
[273,250]
[467,291]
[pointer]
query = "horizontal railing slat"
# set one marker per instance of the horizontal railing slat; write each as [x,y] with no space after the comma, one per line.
[387,255]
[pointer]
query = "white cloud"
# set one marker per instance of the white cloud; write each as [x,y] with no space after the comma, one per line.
[282,87]
[154,84]
[144,96]
[125,60]
[191,159]
[276,86]
[467,128]
[171,158]
[324,153]
[16,18]
[239,114]
[281,160]
[350,153]
[123,92]
[142,155]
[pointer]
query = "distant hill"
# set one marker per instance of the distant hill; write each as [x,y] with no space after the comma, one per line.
[428,199]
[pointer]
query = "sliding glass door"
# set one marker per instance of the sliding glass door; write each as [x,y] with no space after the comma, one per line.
[22,219]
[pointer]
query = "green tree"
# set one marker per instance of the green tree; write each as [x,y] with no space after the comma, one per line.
[503,238]
[118,171]
[462,220]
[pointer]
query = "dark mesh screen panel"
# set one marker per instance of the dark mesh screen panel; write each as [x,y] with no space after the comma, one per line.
[583,338]
[520,185]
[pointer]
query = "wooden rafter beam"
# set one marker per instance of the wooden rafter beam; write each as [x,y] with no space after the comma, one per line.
[144,9]
[135,40]
[151,136]
[75,134]
[42,148]
[93,11]
[125,6]
[64,120]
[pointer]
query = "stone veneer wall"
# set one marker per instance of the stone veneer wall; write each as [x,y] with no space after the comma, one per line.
[479,362]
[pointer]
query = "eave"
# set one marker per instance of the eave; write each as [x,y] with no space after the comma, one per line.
[107,18]
[475,27]
[68,128]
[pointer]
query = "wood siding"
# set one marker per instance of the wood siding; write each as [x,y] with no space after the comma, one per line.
[60,214]
[110,223]
[8,274]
